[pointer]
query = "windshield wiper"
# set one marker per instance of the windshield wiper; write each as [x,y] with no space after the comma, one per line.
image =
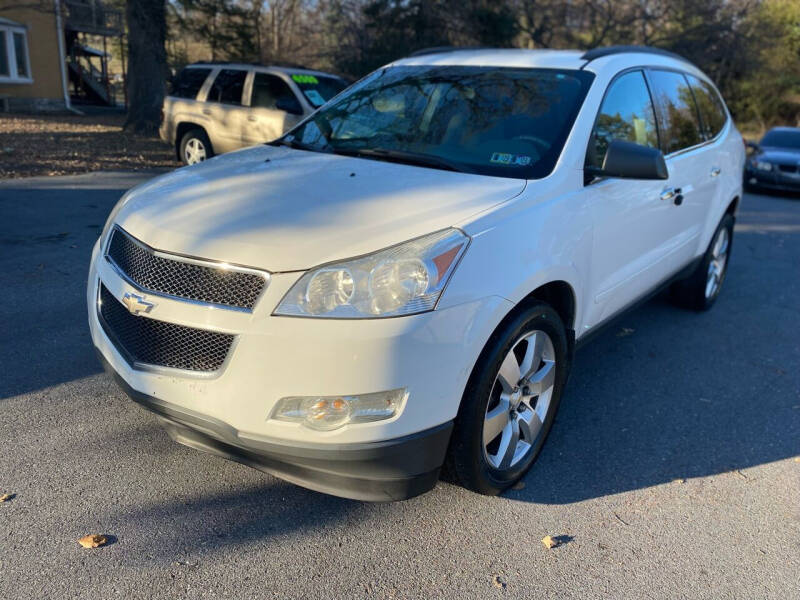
[294,144]
[401,156]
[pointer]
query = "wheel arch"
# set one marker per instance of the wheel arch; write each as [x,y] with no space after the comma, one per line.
[733,207]
[558,294]
[181,130]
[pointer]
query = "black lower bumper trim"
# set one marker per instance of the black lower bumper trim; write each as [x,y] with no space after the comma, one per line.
[395,469]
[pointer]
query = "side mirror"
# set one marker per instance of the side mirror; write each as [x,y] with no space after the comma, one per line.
[289,105]
[632,161]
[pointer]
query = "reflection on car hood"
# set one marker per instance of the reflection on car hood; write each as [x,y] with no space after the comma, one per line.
[285,210]
[782,156]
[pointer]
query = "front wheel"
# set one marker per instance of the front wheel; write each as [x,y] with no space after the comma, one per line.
[510,402]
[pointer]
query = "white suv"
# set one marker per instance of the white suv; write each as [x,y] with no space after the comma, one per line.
[398,284]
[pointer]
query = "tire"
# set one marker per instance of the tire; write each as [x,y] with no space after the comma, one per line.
[696,292]
[195,147]
[483,466]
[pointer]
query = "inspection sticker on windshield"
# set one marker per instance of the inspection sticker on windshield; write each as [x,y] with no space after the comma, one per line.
[315,97]
[513,160]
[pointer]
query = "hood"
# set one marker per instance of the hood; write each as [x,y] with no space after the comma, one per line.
[281,209]
[781,156]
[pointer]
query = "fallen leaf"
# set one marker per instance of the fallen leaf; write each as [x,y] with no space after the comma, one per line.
[499,582]
[679,480]
[797,459]
[520,485]
[625,332]
[549,541]
[94,540]
[6,497]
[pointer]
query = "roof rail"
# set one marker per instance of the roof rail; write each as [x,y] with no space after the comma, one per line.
[442,49]
[283,65]
[594,53]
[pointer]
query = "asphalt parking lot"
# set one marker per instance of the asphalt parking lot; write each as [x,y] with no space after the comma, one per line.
[672,470]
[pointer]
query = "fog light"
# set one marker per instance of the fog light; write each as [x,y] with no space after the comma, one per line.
[325,413]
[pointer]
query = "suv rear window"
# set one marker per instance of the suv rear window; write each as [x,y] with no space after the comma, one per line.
[228,87]
[710,105]
[188,82]
[679,123]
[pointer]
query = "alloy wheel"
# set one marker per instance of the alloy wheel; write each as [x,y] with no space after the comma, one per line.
[718,263]
[194,152]
[519,400]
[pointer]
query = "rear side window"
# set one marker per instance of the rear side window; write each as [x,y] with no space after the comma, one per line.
[678,123]
[188,83]
[270,91]
[228,87]
[626,114]
[710,106]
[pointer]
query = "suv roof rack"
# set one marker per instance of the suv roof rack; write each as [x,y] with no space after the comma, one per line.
[283,65]
[442,49]
[594,53]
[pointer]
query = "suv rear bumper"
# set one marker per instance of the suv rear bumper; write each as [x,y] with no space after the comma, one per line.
[395,469]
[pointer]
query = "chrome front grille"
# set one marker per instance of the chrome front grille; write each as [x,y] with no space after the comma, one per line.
[182,277]
[148,342]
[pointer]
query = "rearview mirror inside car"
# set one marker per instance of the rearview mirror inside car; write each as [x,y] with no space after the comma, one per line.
[631,161]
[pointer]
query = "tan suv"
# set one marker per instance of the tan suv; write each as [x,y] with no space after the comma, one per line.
[218,107]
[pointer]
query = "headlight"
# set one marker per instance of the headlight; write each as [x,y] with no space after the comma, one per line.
[761,165]
[326,413]
[401,280]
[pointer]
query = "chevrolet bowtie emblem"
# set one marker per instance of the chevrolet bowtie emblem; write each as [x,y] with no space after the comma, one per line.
[136,304]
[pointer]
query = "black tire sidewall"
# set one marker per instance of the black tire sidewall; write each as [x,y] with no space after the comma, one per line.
[467,460]
[701,277]
[199,134]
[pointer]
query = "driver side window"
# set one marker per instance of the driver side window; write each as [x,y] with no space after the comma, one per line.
[626,114]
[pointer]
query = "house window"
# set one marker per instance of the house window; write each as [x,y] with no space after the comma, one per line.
[15,66]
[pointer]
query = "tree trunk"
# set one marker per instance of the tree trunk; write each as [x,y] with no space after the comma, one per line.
[147,64]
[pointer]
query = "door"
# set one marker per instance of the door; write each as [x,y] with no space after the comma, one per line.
[274,109]
[632,224]
[223,107]
[692,183]
[713,117]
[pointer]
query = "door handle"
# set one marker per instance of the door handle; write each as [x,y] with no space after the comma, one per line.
[673,194]
[251,118]
[715,171]
[206,111]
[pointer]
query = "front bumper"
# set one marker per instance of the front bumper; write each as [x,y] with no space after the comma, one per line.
[395,469]
[772,180]
[430,355]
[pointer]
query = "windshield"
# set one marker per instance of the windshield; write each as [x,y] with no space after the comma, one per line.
[318,89]
[782,139]
[508,122]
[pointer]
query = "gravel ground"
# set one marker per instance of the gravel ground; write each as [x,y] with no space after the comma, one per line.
[671,472]
[68,144]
